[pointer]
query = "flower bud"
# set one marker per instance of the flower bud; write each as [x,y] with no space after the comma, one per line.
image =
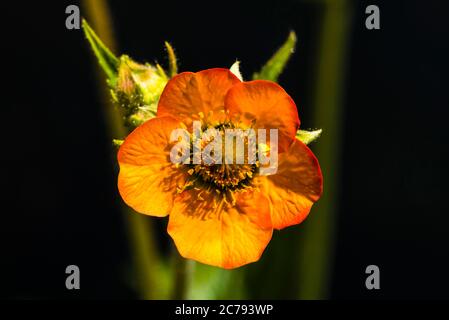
[138,89]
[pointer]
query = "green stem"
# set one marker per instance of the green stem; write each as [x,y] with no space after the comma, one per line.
[182,275]
[144,252]
[147,266]
[317,251]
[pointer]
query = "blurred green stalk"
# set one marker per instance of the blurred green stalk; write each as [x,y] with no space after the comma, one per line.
[146,260]
[182,274]
[317,246]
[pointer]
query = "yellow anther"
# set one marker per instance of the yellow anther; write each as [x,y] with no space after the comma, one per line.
[233,200]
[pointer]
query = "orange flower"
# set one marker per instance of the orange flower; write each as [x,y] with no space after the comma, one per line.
[220,214]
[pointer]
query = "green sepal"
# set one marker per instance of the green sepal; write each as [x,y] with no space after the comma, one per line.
[172,61]
[308,136]
[117,142]
[274,67]
[107,60]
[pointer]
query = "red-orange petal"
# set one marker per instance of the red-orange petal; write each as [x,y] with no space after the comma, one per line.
[297,184]
[226,236]
[147,180]
[267,105]
[188,94]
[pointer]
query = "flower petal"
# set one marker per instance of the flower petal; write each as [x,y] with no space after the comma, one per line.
[267,105]
[188,94]
[227,236]
[147,180]
[297,184]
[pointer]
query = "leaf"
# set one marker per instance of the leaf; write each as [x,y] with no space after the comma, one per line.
[308,136]
[235,69]
[173,65]
[274,67]
[107,60]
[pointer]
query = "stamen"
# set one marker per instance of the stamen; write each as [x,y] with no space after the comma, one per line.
[223,180]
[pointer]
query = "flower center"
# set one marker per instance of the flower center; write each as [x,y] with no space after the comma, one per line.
[225,176]
[222,165]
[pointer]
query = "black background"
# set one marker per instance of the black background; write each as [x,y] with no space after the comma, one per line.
[60,204]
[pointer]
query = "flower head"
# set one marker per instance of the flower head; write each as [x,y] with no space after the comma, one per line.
[221,212]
